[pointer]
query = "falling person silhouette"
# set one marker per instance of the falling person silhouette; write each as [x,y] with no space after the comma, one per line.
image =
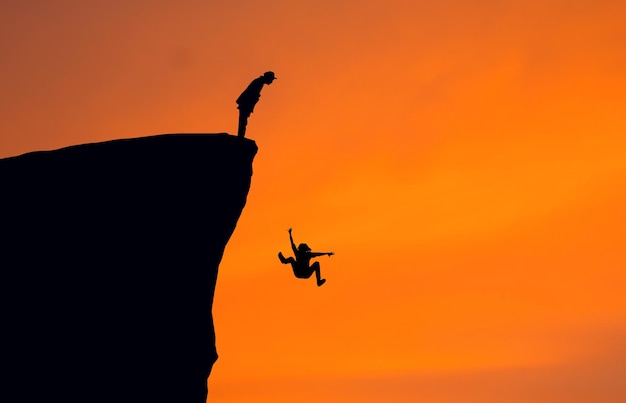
[249,97]
[301,264]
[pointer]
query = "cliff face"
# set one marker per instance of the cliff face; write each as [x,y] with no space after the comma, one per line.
[109,260]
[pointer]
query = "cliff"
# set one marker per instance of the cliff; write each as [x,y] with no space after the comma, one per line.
[109,260]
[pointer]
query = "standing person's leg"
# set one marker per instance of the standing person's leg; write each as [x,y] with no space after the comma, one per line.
[243,122]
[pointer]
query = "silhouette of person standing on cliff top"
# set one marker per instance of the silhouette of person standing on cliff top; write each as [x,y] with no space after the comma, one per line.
[300,265]
[249,97]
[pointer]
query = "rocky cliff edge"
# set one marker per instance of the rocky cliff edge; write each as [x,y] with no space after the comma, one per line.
[109,261]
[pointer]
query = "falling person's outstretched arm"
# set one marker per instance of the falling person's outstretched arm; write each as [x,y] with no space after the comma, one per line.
[293,245]
[314,254]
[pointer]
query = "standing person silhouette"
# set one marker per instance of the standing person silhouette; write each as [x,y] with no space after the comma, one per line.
[249,97]
[300,265]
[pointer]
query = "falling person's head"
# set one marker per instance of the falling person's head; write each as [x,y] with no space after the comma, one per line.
[303,248]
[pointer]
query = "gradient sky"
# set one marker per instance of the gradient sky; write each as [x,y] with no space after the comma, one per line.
[465,160]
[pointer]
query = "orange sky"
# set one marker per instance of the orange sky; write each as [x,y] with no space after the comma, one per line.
[465,160]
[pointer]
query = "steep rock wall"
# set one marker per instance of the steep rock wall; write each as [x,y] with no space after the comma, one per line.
[109,261]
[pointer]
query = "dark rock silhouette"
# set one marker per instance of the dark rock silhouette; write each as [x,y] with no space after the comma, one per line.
[109,260]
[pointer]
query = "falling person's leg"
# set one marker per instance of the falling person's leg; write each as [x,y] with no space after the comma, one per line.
[318,273]
[286,260]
